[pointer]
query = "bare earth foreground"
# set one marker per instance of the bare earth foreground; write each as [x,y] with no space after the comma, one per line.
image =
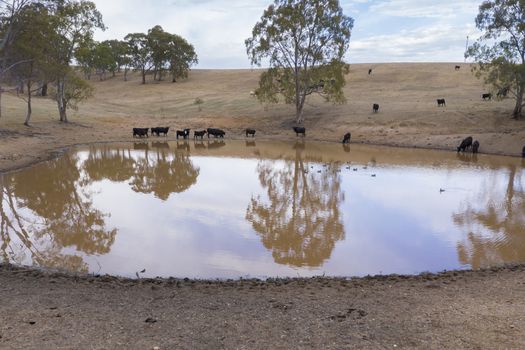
[468,309]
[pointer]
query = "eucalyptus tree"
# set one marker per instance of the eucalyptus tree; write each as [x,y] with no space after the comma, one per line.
[500,51]
[10,11]
[140,53]
[303,42]
[31,49]
[75,22]
[182,57]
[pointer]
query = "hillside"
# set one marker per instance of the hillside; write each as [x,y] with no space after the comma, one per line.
[406,92]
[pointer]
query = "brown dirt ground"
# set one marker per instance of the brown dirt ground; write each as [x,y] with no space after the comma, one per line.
[474,309]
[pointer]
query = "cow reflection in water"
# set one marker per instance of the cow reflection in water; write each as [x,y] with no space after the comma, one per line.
[48,209]
[159,170]
[495,234]
[300,220]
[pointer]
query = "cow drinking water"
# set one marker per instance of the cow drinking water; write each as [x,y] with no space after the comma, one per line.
[250,132]
[465,144]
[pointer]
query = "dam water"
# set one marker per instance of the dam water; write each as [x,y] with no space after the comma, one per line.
[232,209]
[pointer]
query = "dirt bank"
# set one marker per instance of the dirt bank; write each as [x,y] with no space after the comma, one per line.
[453,310]
[472,309]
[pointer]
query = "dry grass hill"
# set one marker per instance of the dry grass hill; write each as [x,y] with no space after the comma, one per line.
[408,115]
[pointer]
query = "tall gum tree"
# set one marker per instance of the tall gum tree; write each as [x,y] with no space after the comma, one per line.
[75,23]
[500,51]
[303,42]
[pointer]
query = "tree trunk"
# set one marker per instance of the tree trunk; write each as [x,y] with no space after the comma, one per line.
[44,90]
[143,76]
[61,102]
[519,103]
[1,90]
[126,74]
[28,114]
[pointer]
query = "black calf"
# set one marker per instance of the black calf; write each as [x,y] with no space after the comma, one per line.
[486,97]
[299,130]
[216,132]
[160,130]
[199,134]
[184,133]
[457,67]
[250,132]
[465,144]
[346,138]
[475,146]
[140,132]
[375,107]
[441,102]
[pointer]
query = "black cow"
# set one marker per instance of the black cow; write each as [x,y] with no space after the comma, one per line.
[250,132]
[215,132]
[370,71]
[441,102]
[465,144]
[375,107]
[140,132]
[457,67]
[346,138]
[486,96]
[523,152]
[199,134]
[184,133]
[299,130]
[159,130]
[475,146]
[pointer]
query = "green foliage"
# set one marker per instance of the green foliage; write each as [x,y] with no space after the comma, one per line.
[76,90]
[500,51]
[303,42]
[160,51]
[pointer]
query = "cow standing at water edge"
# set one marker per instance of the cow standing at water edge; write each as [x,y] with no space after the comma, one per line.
[375,107]
[441,102]
[346,138]
[215,132]
[184,133]
[140,132]
[475,146]
[465,144]
[299,130]
[250,132]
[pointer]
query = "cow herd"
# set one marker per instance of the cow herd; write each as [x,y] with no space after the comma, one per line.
[184,133]
[468,144]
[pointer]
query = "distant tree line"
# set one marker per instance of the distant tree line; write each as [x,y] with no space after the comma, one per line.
[49,43]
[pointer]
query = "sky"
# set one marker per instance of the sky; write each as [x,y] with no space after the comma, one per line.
[384,30]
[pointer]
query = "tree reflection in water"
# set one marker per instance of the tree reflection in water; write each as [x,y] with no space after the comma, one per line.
[46,210]
[50,208]
[495,230]
[300,221]
[154,170]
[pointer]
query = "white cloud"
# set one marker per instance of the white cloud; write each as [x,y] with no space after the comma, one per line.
[384,30]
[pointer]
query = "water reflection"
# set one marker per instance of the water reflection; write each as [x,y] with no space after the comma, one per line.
[211,208]
[46,210]
[299,221]
[494,222]
[156,171]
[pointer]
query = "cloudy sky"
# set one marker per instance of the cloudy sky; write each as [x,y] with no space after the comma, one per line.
[384,30]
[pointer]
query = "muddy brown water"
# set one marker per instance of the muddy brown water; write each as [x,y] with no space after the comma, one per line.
[230,209]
